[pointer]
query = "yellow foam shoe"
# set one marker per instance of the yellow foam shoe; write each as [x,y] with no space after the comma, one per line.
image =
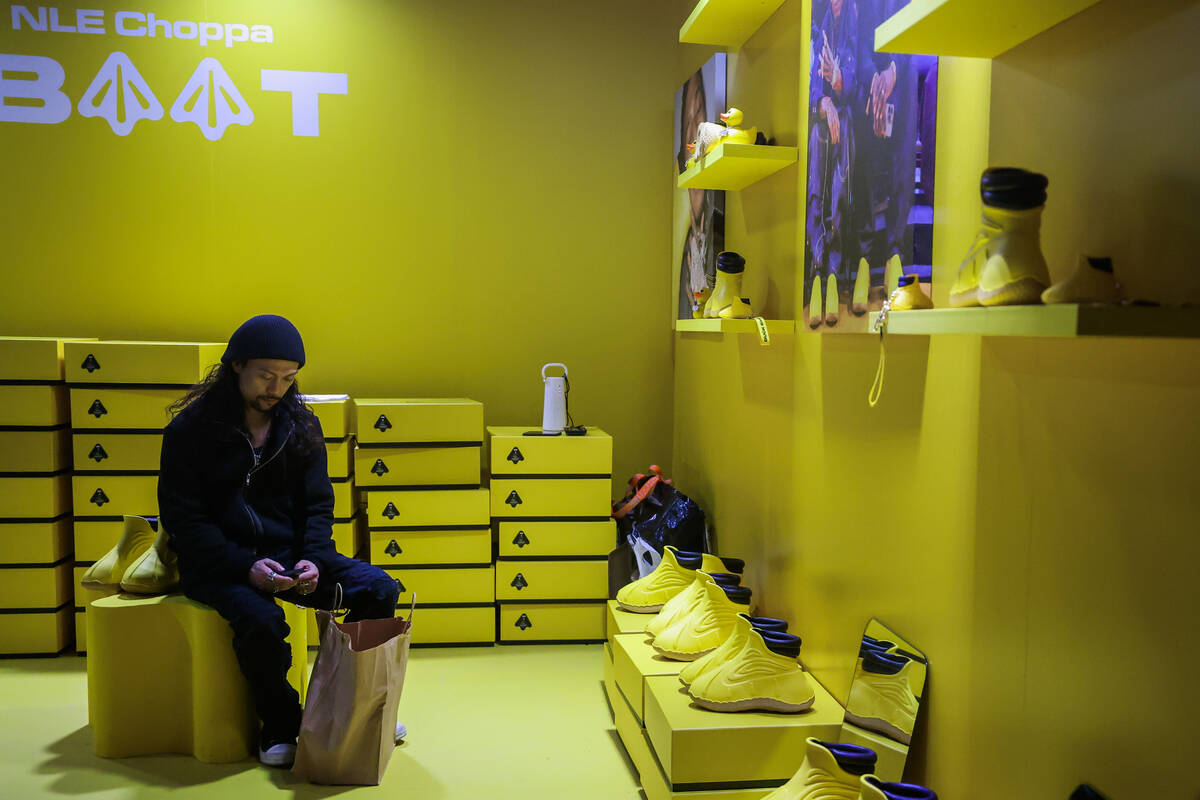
[681,604]
[831,301]
[647,594]
[136,538]
[155,572]
[830,772]
[1015,271]
[909,296]
[763,675]
[871,788]
[726,299]
[816,313]
[1091,282]
[709,623]
[881,697]
[862,288]
[714,660]
[892,273]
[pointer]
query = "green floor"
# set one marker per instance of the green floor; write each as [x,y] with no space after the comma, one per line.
[501,722]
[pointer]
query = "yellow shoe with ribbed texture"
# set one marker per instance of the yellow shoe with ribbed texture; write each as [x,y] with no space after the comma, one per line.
[156,572]
[764,675]
[674,573]
[136,538]
[881,697]
[707,625]
[728,649]
[829,772]
[681,604]
[872,788]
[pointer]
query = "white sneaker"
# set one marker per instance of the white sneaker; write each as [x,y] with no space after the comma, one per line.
[280,754]
[401,732]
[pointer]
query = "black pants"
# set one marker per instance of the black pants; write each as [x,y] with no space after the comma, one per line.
[259,630]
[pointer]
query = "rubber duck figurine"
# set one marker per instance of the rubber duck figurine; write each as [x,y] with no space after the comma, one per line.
[711,134]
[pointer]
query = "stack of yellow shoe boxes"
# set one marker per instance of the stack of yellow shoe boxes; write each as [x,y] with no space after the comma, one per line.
[120,392]
[35,498]
[551,504]
[419,463]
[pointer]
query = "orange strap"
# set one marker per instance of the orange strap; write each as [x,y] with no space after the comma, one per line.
[642,492]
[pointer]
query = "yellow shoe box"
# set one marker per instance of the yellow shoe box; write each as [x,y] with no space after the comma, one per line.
[116,452]
[890,755]
[43,588]
[418,466]
[134,409]
[633,735]
[34,406]
[35,499]
[693,744]
[453,546]
[557,538]
[415,508]
[551,497]
[553,580]
[439,626]
[635,660]
[33,358]
[345,536]
[344,505]
[335,412]
[621,621]
[418,420]
[41,543]
[339,457]
[114,495]
[154,363]
[36,633]
[35,451]
[441,585]
[551,622]
[513,453]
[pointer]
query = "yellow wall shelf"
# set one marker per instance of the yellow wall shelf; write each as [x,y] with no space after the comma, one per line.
[1056,320]
[970,27]
[775,327]
[735,166]
[726,23]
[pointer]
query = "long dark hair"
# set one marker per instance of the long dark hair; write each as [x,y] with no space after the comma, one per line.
[217,396]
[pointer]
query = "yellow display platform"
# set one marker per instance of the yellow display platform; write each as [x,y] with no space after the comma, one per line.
[36,633]
[970,27]
[418,420]
[114,495]
[40,498]
[726,23]
[455,546]
[34,406]
[551,622]
[418,466]
[657,787]
[35,542]
[733,166]
[693,744]
[444,584]
[35,451]
[890,754]
[553,580]
[551,497]
[633,735]
[164,363]
[116,452]
[610,672]
[33,358]
[83,596]
[136,408]
[335,412]
[618,620]
[388,509]
[635,660]
[1066,320]
[556,538]
[775,327]
[163,678]
[513,453]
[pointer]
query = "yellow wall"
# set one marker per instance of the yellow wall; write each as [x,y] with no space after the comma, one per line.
[1021,509]
[464,216]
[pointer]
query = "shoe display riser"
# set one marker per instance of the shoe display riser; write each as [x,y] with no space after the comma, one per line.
[636,661]
[618,620]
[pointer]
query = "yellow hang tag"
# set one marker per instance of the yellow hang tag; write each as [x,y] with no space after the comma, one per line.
[764,335]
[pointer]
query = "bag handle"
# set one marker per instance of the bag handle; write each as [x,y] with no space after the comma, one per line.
[643,491]
[412,607]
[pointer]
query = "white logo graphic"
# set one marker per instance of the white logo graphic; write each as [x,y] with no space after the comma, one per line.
[51,105]
[305,88]
[124,96]
[212,101]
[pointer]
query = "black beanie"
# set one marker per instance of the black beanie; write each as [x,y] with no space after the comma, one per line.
[265,336]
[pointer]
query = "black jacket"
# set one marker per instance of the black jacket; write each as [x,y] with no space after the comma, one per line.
[222,513]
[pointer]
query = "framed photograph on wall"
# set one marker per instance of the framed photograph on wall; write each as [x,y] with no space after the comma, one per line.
[699,214]
[871,149]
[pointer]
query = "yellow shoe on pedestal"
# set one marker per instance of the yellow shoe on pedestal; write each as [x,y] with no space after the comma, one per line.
[674,573]
[726,299]
[909,296]
[1092,282]
[1015,271]
[892,273]
[830,772]
[832,301]
[881,698]
[816,312]
[681,604]
[156,572]
[731,646]
[862,287]
[136,538]
[709,623]
[763,675]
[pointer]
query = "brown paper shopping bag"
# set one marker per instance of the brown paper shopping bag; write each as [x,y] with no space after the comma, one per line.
[348,730]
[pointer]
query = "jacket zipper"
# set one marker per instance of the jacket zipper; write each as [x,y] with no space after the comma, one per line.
[255,522]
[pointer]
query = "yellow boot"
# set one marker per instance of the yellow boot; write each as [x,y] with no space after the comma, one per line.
[681,604]
[830,772]
[710,622]
[762,675]
[816,312]
[891,274]
[862,287]
[673,574]
[881,698]
[872,788]
[1015,271]
[730,646]
[726,300]
[156,572]
[136,538]
[831,301]
[1092,282]
[909,296]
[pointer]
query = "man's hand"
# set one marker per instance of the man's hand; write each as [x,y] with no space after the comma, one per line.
[265,577]
[829,112]
[307,579]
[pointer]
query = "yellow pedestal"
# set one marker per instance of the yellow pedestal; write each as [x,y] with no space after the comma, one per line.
[622,621]
[635,660]
[163,678]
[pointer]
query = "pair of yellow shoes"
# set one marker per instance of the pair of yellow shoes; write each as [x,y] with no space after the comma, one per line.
[843,772]
[675,572]
[753,669]
[141,562]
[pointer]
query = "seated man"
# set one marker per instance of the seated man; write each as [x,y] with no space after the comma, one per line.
[245,496]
